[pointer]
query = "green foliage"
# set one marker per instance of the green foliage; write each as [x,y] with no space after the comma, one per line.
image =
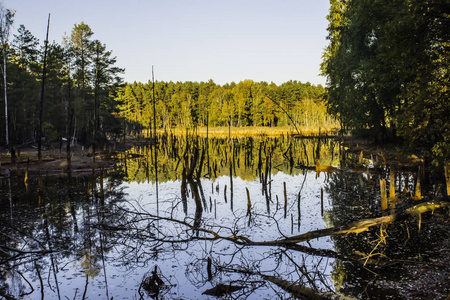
[246,103]
[387,69]
[81,77]
[50,132]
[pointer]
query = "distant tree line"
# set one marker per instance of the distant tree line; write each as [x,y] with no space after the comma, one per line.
[81,79]
[247,103]
[387,68]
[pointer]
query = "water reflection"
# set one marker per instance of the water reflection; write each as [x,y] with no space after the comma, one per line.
[53,221]
[202,221]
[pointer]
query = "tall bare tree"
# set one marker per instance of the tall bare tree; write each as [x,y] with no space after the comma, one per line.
[41,103]
[6,21]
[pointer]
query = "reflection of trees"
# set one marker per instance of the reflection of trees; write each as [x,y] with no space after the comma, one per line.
[53,220]
[191,174]
[83,223]
[245,156]
[166,233]
[81,220]
[279,268]
[282,268]
[350,200]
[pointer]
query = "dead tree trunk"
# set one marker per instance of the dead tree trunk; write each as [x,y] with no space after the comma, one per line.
[41,103]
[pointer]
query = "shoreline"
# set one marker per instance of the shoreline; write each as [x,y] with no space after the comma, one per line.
[224,131]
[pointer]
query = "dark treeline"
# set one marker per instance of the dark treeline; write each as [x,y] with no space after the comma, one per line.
[80,82]
[387,70]
[247,103]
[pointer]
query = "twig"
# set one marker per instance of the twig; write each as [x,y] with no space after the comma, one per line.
[32,289]
[287,114]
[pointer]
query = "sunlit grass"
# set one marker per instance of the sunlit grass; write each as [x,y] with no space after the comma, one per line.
[254,131]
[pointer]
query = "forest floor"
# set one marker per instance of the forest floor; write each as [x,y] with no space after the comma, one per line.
[54,160]
[388,154]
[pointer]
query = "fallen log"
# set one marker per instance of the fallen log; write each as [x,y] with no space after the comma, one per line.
[299,291]
[302,291]
[361,225]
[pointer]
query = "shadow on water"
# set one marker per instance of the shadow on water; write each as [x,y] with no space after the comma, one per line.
[196,218]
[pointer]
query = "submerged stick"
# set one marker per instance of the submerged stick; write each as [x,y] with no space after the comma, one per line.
[249,203]
[225,193]
[418,192]
[392,184]
[299,216]
[297,290]
[285,199]
[321,202]
[447,178]
[384,204]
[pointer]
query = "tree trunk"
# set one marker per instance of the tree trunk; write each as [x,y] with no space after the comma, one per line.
[41,103]
[69,121]
[6,96]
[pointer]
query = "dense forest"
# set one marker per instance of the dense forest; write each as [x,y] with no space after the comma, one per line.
[387,69]
[246,103]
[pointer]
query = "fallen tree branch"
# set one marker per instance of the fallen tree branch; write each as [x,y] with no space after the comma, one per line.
[292,242]
[361,225]
[301,291]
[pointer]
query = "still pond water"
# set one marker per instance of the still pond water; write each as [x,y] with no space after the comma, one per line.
[178,230]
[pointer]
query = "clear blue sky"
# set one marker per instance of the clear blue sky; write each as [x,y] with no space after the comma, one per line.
[194,40]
